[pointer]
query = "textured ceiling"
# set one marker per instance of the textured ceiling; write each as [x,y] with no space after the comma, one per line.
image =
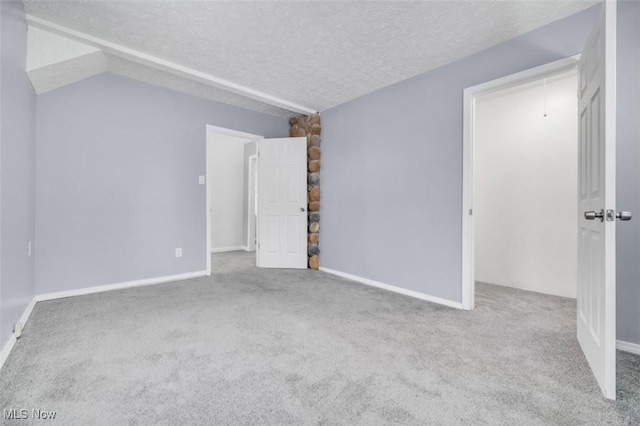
[318,54]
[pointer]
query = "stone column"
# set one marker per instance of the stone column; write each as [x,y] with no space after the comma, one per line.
[309,127]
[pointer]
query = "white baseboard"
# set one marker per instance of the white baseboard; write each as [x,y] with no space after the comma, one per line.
[632,348]
[6,350]
[223,249]
[395,289]
[119,286]
[245,248]
[8,346]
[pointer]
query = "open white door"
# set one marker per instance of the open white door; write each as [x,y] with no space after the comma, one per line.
[596,201]
[282,203]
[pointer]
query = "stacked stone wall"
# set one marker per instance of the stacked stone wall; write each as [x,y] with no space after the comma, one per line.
[309,127]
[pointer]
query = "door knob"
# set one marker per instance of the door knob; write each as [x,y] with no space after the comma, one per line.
[591,215]
[622,215]
[302,209]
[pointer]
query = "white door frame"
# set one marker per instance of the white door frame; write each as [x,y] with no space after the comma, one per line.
[252,168]
[468,130]
[217,131]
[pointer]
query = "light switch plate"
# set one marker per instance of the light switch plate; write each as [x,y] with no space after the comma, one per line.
[201,180]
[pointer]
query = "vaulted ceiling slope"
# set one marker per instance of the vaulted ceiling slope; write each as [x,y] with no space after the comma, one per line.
[313,55]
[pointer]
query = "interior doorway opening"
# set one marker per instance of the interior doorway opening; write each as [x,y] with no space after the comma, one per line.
[595,210]
[256,191]
[526,186]
[231,190]
[511,85]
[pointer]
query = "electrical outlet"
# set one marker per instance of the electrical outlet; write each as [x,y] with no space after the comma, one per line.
[178,252]
[29,249]
[201,180]
[17,329]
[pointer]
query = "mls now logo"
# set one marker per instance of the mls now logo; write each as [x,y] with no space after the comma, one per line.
[16,414]
[23,414]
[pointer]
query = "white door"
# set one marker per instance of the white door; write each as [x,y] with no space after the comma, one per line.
[596,201]
[282,203]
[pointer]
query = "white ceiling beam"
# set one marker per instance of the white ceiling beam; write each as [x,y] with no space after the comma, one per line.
[54,61]
[168,66]
[45,48]
[63,73]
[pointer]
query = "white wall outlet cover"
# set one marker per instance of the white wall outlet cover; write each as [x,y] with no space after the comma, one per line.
[29,248]
[178,252]
[17,329]
[201,180]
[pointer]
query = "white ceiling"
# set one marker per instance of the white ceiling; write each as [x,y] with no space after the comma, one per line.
[317,54]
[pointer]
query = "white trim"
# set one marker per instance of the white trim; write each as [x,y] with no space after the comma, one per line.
[168,66]
[27,312]
[608,386]
[119,286]
[235,133]
[207,173]
[6,350]
[224,249]
[394,289]
[468,256]
[632,348]
[245,248]
[469,100]
[8,347]
[251,198]
[258,210]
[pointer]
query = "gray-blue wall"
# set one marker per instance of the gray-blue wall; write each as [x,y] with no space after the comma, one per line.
[17,169]
[628,171]
[392,167]
[117,180]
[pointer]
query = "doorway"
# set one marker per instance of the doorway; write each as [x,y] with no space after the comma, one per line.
[256,191]
[526,186]
[228,155]
[595,210]
[512,84]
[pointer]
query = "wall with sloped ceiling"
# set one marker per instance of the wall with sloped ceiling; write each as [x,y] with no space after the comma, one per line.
[17,170]
[117,180]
